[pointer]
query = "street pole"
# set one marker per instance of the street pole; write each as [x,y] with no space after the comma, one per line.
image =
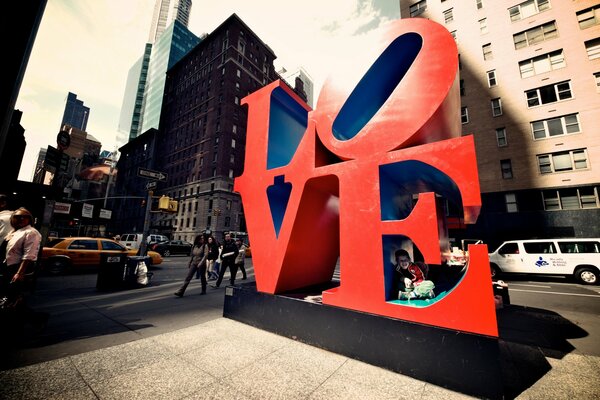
[144,245]
[110,177]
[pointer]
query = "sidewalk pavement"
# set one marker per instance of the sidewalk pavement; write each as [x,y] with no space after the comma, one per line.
[226,359]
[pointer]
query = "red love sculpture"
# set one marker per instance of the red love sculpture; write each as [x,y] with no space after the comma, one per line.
[339,181]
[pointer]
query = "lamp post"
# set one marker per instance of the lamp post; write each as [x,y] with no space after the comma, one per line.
[110,176]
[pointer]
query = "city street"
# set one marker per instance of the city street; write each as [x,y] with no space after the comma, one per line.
[82,319]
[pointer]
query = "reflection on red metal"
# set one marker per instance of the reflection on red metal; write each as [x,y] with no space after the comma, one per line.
[332,182]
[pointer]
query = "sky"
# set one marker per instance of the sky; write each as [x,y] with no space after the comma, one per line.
[88,46]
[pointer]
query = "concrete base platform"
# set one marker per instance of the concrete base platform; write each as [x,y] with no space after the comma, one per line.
[458,361]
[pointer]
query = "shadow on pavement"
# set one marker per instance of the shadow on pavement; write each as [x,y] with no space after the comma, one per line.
[527,337]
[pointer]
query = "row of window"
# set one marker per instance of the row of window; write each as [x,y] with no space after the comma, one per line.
[585,18]
[561,199]
[551,163]
[543,95]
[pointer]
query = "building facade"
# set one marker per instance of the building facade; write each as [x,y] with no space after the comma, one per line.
[530,94]
[76,113]
[172,45]
[167,11]
[130,121]
[292,78]
[203,129]
[145,80]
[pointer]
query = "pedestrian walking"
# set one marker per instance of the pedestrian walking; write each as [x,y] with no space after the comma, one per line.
[213,255]
[241,257]
[228,255]
[197,262]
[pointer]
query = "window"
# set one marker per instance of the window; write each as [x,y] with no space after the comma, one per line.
[479,4]
[496,107]
[592,47]
[84,245]
[233,143]
[589,17]
[539,248]
[571,198]
[448,17]
[464,115]
[579,247]
[462,87]
[483,28]
[527,9]
[562,161]
[540,64]
[506,168]
[418,8]
[509,248]
[535,35]
[491,77]
[106,245]
[239,73]
[501,137]
[558,126]
[230,173]
[510,200]
[549,94]
[453,33]
[487,51]
[597,78]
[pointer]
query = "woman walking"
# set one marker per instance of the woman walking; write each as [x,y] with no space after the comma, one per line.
[197,262]
[213,255]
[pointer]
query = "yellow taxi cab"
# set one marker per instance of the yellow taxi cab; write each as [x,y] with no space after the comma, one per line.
[63,254]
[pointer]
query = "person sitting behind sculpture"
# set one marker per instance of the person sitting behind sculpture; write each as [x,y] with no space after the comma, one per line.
[409,278]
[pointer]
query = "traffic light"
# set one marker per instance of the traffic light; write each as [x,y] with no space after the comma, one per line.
[166,204]
[64,162]
[163,203]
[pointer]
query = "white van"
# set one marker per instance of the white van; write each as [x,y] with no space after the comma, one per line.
[579,258]
[133,240]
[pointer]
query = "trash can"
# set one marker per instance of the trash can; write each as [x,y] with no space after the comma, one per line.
[110,272]
[501,293]
[136,271]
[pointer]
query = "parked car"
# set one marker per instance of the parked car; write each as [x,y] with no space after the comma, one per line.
[172,247]
[579,258]
[63,254]
[133,240]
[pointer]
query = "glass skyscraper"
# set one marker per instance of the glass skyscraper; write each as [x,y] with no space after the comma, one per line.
[76,114]
[173,44]
[146,78]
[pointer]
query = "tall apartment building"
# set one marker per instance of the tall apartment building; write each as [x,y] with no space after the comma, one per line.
[530,93]
[203,129]
[200,143]
[169,40]
[76,114]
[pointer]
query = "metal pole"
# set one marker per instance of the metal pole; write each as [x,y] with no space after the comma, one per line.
[144,245]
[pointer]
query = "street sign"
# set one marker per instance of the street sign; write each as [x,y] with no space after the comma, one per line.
[148,173]
[151,185]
